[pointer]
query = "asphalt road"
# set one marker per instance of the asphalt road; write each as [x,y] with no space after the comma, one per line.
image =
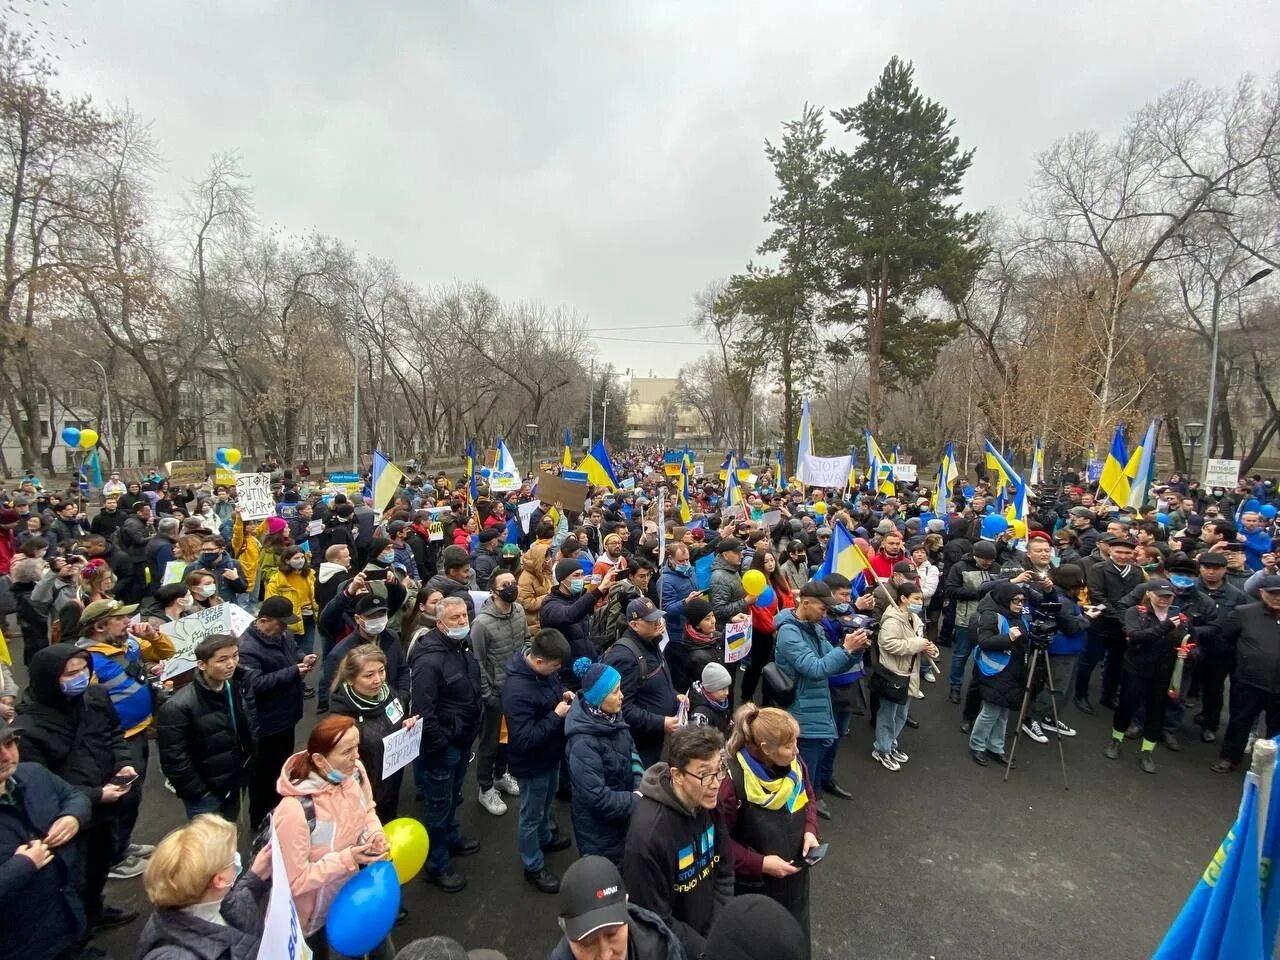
[939,860]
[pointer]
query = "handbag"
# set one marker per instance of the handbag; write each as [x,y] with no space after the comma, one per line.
[887,685]
[779,689]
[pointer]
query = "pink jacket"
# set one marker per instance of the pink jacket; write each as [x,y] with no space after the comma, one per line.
[318,862]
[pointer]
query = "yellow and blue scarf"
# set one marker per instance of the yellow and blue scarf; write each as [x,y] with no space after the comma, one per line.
[784,793]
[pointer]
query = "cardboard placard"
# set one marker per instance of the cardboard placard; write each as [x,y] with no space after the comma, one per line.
[187,472]
[187,633]
[737,640]
[253,496]
[572,495]
[904,472]
[1222,473]
[225,476]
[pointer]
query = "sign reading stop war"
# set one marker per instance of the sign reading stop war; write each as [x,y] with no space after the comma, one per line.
[253,496]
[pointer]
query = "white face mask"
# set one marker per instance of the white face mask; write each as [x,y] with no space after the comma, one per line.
[208,590]
[375,625]
[188,601]
[298,562]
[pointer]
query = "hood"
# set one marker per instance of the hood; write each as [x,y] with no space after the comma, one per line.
[329,570]
[584,723]
[656,785]
[490,610]
[308,787]
[534,558]
[45,668]
[785,616]
[1004,592]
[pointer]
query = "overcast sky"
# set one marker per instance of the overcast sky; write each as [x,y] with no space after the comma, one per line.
[605,155]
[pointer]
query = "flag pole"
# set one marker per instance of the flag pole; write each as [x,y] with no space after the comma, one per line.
[1264,765]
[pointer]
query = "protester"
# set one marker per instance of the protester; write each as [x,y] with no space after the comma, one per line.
[601,922]
[499,631]
[709,699]
[900,643]
[568,608]
[1255,682]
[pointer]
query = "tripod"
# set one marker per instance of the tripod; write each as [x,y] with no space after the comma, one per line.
[1039,657]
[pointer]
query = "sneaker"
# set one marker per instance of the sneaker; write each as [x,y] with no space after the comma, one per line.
[1113,749]
[1147,761]
[885,760]
[1208,736]
[493,803]
[930,677]
[114,917]
[1032,729]
[898,756]
[507,784]
[919,695]
[140,850]
[1057,727]
[127,869]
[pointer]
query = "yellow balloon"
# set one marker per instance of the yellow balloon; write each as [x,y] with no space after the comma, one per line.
[88,439]
[408,842]
[753,582]
[233,456]
[1018,529]
[820,508]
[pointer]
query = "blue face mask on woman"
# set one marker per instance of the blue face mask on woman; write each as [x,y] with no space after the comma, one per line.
[335,776]
[916,607]
[77,685]
[386,556]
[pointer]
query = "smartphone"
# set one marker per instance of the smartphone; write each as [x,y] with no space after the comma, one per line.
[375,574]
[125,781]
[816,854]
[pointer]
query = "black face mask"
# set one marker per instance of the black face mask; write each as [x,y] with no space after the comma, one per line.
[508,593]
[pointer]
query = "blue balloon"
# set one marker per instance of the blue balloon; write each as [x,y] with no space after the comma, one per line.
[485,471]
[1162,519]
[766,598]
[364,910]
[221,457]
[71,436]
[1268,511]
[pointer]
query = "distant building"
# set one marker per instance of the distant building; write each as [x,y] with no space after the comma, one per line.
[654,416]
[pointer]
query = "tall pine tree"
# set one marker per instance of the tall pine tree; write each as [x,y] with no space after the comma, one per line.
[896,230]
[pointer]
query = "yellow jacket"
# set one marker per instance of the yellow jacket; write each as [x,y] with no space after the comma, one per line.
[246,548]
[299,588]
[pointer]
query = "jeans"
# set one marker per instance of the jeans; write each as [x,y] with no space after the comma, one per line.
[988,729]
[959,654]
[537,816]
[827,774]
[228,808]
[812,750]
[890,719]
[445,772]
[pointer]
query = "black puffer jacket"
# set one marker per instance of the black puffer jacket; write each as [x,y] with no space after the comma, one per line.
[373,720]
[571,615]
[1151,644]
[270,666]
[995,620]
[446,692]
[206,740]
[78,738]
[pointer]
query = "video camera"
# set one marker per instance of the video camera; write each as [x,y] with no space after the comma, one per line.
[860,621]
[1044,621]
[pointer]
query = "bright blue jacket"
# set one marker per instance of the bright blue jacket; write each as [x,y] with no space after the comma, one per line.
[675,587]
[802,653]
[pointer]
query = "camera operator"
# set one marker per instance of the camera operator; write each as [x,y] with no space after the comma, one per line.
[1000,672]
[1153,631]
[846,615]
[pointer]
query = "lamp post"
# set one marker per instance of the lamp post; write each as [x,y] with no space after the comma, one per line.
[604,419]
[1193,432]
[1210,416]
[106,392]
[531,431]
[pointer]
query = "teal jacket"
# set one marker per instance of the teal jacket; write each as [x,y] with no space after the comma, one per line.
[802,653]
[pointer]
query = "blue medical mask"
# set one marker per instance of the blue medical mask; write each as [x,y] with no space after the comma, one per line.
[238,864]
[683,567]
[577,585]
[386,556]
[841,608]
[335,776]
[915,607]
[77,685]
[1182,582]
[458,633]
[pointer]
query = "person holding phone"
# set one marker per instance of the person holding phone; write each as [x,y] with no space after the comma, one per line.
[770,809]
[325,846]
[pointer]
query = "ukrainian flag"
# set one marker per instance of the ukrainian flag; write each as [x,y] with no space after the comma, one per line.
[599,468]
[1009,476]
[682,492]
[1037,465]
[471,471]
[684,860]
[947,474]
[732,489]
[805,448]
[780,471]
[1141,468]
[567,460]
[386,480]
[879,468]
[1114,482]
[846,557]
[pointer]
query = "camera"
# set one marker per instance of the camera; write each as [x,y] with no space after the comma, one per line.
[1044,622]
[860,621]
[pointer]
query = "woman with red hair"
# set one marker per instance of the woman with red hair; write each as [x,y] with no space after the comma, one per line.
[327,824]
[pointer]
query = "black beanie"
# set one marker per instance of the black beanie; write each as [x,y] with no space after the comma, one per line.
[566,568]
[755,927]
[696,610]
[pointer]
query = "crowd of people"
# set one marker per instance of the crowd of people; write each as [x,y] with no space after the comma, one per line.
[575,657]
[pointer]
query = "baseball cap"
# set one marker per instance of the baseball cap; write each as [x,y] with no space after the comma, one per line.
[277,608]
[819,590]
[1082,512]
[730,545]
[1160,587]
[903,567]
[1270,583]
[643,609]
[369,603]
[591,897]
[101,609]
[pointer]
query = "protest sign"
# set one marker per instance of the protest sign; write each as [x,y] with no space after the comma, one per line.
[737,640]
[832,472]
[399,749]
[350,482]
[174,571]
[187,633]
[1221,473]
[1093,472]
[572,495]
[574,476]
[526,512]
[253,496]
[628,483]
[187,472]
[225,476]
[904,472]
[699,468]
[281,931]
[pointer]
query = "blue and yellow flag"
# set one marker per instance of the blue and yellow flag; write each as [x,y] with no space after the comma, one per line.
[779,470]
[567,459]
[386,480]
[879,468]
[91,469]
[471,471]
[1141,468]
[1037,465]
[1114,482]
[947,474]
[846,557]
[732,488]
[599,468]
[682,492]
[1009,477]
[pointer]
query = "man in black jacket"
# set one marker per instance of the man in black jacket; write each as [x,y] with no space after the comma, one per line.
[1217,653]
[132,537]
[356,615]
[274,677]
[40,814]
[568,608]
[447,698]
[454,580]
[1109,582]
[206,739]
[1255,681]
[649,701]
[69,726]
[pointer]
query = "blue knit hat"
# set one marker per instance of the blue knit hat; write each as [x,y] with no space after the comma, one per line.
[598,679]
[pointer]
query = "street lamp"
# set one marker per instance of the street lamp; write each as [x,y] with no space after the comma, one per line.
[1193,432]
[106,391]
[1210,415]
[531,431]
[604,420]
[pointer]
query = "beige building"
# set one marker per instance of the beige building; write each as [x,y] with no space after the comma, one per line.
[654,416]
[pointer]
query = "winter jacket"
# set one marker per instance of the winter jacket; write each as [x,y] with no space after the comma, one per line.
[272,679]
[678,863]
[900,641]
[495,636]
[132,538]
[1005,686]
[963,585]
[676,587]
[452,588]
[802,654]
[604,770]
[319,861]
[571,615]
[175,934]
[338,624]
[42,910]
[535,735]
[206,739]
[688,653]
[1258,648]
[123,675]
[534,583]
[648,938]
[796,574]
[228,589]
[376,720]
[1151,644]
[446,692]
[299,588]
[705,712]
[107,522]
[78,738]
[1227,600]
[1108,587]
[157,555]
[483,564]
[725,592]
[648,697]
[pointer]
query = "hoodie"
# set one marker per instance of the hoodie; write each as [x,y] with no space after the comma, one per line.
[318,861]
[329,581]
[678,863]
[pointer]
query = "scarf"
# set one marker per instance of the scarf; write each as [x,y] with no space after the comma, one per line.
[784,793]
[598,713]
[364,703]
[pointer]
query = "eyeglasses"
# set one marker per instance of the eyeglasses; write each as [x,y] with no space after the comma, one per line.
[717,775]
